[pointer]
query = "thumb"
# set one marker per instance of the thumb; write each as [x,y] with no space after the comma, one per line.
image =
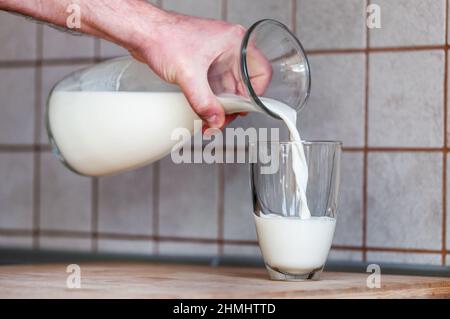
[203,101]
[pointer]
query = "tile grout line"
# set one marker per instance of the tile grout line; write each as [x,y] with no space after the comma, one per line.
[48,62]
[117,236]
[47,148]
[36,210]
[294,16]
[366,140]
[24,147]
[156,198]
[221,169]
[84,60]
[95,180]
[376,149]
[376,49]
[444,155]
[220,206]
[224,10]
[94,213]
[97,50]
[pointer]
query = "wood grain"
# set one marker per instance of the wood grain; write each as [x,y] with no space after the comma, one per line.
[152,280]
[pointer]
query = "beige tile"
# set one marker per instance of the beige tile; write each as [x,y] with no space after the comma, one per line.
[65,244]
[155,2]
[126,202]
[51,75]
[109,50]
[405,99]
[184,249]
[403,258]
[16,190]
[200,8]
[188,199]
[344,255]
[126,247]
[330,24]
[335,110]
[404,200]
[448,203]
[410,22]
[64,45]
[448,104]
[349,220]
[16,241]
[17,105]
[18,37]
[260,121]
[242,250]
[238,207]
[247,12]
[65,197]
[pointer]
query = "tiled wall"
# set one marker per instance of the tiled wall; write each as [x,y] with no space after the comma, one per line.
[383,92]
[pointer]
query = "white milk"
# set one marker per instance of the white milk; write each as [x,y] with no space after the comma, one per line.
[295,245]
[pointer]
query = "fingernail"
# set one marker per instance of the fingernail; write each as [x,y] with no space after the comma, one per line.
[212,120]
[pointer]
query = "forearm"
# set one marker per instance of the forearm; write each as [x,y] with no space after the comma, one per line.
[126,22]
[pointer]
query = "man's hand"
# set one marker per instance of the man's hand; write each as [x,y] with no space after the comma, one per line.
[186,49]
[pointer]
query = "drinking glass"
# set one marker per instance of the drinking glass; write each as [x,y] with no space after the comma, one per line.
[295,247]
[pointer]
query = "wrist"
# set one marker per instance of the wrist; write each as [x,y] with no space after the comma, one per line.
[133,23]
[156,24]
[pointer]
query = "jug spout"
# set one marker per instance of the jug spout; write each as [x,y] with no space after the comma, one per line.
[271,62]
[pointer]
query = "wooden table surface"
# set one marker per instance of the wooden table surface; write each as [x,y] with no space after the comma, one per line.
[153,280]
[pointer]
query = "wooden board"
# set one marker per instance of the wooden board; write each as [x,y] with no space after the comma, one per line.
[151,280]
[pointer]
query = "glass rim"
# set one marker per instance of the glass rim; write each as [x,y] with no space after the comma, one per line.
[305,142]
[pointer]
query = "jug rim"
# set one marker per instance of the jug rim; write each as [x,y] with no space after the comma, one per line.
[245,71]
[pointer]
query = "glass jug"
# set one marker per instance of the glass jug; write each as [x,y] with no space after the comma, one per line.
[119,115]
